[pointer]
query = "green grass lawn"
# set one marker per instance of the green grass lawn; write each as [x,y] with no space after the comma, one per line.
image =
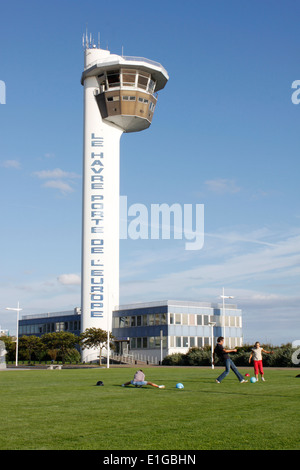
[64,409]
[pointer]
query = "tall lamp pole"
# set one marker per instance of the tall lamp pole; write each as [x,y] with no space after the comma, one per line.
[223,296]
[18,309]
[212,324]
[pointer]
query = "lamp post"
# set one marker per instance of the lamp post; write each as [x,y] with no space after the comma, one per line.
[223,296]
[108,349]
[212,324]
[161,346]
[18,309]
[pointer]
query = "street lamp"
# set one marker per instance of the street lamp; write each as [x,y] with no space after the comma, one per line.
[223,296]
[212,324]
[161,346]
[18,309]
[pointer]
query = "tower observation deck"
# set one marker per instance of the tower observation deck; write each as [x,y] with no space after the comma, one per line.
[127,87]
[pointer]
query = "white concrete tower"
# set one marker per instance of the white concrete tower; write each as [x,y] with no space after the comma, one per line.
[119,96]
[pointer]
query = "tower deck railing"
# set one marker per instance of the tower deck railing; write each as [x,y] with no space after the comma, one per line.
[130,59]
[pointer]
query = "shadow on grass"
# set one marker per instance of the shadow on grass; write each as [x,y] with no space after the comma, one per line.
[215,392]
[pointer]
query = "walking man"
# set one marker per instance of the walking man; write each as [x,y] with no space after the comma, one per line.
[223,354]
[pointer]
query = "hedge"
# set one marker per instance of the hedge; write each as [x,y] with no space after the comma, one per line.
[281,357]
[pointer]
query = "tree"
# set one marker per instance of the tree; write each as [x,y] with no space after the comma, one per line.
[94,338]
[29,345]
[62,341]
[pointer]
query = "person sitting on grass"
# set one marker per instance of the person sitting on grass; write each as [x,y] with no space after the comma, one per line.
[139,381]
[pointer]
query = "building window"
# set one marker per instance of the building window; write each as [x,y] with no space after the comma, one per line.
[192,342]
[128,98]
[113,78]
[177,318]
[151,106]
[184,318]
[143,81]
[59,326]
[178,341]
[128,77]
[113,98]
[199,320]
[151,86]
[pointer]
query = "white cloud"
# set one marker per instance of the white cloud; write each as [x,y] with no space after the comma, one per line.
[57,173]
[222,186]
[69,279]
[61,185]
[58,179]
[15,164]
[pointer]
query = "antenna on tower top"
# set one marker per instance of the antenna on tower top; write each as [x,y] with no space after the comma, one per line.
[88,40]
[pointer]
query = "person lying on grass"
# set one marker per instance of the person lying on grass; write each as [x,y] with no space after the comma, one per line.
[139,381]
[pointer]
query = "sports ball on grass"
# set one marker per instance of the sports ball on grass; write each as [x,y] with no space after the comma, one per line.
[179,385]
[253,380]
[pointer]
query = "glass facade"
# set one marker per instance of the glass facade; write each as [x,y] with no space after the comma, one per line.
[175,326]
[41,324]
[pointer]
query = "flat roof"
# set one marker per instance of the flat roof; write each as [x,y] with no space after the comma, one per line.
[66,313]
[175,303]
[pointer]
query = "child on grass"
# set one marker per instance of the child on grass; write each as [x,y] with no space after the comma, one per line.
[256,354]
[139,381]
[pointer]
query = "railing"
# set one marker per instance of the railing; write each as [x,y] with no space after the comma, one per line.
[134,357]
[128,58]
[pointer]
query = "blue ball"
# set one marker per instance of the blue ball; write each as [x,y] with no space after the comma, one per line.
[179,385]
[253,380]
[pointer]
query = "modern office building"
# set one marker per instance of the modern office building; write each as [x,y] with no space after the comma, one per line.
[54,322]
[120,95]
[153,330]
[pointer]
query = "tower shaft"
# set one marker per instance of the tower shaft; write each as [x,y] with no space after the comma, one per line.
[100,235]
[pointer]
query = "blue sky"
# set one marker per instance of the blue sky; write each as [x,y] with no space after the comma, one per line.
[225,134]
